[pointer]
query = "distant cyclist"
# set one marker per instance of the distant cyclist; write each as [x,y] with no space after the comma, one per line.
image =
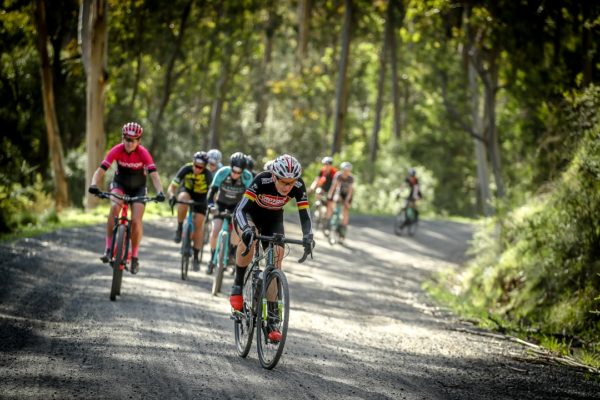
[342,190]
[214,160]
[250,165]
[133,163]
[228,186]
[261,209]
[325,177]
[191,183]
[414,194]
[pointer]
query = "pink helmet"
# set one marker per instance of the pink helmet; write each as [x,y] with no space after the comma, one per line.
[132,130]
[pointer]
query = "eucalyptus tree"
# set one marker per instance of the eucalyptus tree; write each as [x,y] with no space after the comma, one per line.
[61,193]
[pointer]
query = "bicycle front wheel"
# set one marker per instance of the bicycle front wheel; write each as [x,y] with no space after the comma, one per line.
[273,318]
[243,325]
[223,252]
[399,224]
[205,239]
[186,248]
[119,260]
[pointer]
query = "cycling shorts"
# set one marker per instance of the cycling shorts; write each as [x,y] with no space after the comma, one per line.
[199,208]
[223,207]
[267,222]
[132,192]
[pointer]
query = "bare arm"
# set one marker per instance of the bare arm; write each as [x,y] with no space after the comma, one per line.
[156,181]
[98,177]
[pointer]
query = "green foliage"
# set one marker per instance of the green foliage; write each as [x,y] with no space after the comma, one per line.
[24,206]
[536,267]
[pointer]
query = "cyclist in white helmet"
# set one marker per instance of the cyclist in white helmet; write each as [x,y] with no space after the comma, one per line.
[342,190]
[214,160]
[261,209]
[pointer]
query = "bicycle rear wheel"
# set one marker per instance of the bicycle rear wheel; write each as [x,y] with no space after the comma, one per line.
[223,251]
[119,260]
[270,319]
[185,250]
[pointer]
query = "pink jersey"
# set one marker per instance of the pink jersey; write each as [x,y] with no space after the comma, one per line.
[131,167]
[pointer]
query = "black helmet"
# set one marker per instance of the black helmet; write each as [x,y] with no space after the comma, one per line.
[249,162]
[200,156]
[238,159]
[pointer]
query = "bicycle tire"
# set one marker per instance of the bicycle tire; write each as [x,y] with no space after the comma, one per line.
[218,278]
[399,224]
[205,239]
[269,352]
[413,226]
[185,250]
[119,260]
[243,327]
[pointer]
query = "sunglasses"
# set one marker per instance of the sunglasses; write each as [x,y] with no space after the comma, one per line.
[286,183]
[198,166]
[129,140]
[236,171]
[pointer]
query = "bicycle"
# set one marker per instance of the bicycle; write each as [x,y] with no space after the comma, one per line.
[320,210]
[221,255]
[186,237]
[335,225]
[121,239]
[407,218]
[259,313]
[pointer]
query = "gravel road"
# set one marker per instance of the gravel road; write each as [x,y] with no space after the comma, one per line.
[360,326]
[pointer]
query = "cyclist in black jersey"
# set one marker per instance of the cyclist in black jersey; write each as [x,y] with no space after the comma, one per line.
[192,179]
[261,209]
[228,186]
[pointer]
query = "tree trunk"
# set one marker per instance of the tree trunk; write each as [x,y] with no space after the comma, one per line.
[304,11]
[262,102]
[94,39]
[379,103]
[491,88]
[342,82]
[157,135]
[61,192]
[480,152]
[394,67]
[587,43]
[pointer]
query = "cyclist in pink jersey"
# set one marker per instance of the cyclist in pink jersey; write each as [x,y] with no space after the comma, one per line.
[134,162]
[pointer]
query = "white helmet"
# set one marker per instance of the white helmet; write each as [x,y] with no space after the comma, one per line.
[346,165]
[214,156]
[286,167]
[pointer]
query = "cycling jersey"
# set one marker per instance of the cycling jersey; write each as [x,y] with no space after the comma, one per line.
[229,191]
[413,182]
[262,203]
[195,184]
[344,183]
[132,168]
[326,179]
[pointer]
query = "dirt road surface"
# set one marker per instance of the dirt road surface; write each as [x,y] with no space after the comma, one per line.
[360,326]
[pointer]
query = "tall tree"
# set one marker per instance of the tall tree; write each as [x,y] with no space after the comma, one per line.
[169,77]
[341,91]
[380,89]
[61,193]
[93,29]
[304,13]
[391,16]
[262,102]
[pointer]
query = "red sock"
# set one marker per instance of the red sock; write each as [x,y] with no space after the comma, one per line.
[134,251]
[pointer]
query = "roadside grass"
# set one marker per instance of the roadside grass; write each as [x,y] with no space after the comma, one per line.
[444,289]
[49,220]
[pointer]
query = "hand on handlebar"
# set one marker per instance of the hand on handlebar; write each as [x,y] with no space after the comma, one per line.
[160,197]
[247,236]
[93,189]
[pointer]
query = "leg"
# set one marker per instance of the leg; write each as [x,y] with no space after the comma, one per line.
[216,230]
[137,229]
[241,263]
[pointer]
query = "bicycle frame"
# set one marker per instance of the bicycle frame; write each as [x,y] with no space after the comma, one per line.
[223,239]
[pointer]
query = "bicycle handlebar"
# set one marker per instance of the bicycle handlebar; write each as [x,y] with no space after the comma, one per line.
[279,239]
[126,198]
